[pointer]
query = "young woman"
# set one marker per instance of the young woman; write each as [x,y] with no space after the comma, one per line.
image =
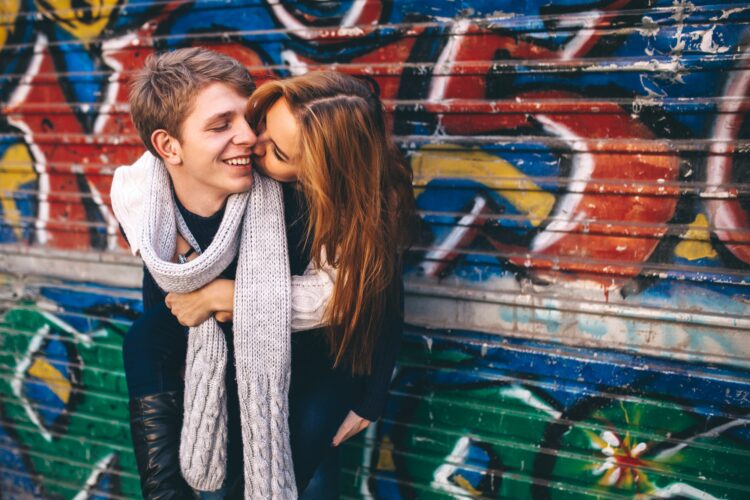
[326,132]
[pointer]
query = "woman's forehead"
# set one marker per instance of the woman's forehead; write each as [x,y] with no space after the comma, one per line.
[282,126]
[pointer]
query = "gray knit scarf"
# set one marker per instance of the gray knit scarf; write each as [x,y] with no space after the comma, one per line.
[253,224]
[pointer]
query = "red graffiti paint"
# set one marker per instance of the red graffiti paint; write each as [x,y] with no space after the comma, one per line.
[600,225]
[61,149]
[607,148]
[249,58]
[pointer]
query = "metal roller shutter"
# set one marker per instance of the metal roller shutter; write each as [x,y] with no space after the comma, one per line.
[577,298]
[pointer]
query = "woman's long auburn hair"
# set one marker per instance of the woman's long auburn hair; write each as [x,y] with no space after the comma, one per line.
[360,200]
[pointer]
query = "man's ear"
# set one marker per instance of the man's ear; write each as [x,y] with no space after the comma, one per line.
[167,146]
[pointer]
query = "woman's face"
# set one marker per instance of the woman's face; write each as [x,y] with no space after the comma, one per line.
[275,152]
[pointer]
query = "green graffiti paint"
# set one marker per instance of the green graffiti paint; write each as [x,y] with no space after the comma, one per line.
[65,435]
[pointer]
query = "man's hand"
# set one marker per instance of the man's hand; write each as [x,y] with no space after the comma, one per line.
[351,426]
[190,309]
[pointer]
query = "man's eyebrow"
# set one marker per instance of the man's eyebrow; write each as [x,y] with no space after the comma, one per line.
[218,116]
[281,152]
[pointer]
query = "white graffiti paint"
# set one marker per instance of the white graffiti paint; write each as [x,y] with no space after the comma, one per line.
[682,490]
[579,44]
[443,66]
[567,214]
[441,478]
[529,398]
[18,97]
[101,467]
[723,210]
[19,376]
[714,432]
[709,45]
[356,15]
[725,14]
[293,62]
[19,373]
[435,260]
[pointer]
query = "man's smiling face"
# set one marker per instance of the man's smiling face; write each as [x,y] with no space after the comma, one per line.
[215,145]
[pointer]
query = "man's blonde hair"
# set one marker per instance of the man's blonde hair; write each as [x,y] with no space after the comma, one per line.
[162,93]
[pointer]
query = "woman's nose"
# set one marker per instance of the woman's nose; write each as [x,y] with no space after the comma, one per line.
[260,145]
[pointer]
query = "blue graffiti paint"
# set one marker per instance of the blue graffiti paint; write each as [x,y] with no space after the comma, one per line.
[14,468]
[108,482]
[82,76]
[116,304]
[60,353]
[710,387]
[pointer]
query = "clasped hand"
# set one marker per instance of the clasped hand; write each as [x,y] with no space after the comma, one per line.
[216,298]
[193,308]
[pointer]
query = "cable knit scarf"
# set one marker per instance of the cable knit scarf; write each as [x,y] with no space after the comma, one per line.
[253,224]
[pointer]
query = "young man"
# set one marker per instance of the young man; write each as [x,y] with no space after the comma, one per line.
[189,109]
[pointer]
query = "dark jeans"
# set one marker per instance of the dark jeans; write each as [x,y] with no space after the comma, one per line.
[319,397]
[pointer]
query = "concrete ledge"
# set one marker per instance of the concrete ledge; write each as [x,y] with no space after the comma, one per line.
[106,268]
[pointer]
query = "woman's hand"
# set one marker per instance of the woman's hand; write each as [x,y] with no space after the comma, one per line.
[192,309]
[351,426]
[224,316]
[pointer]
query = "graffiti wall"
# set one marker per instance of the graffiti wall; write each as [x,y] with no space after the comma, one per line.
[63,402]
[577,294]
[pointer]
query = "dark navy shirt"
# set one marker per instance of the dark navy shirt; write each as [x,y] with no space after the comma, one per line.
[373,388]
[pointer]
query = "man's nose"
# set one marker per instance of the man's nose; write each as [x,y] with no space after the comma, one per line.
[245,135]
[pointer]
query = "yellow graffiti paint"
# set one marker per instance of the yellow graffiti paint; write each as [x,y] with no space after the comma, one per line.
[385,457]
[596,442]
[697,243]
[463,483]
[51,376]
[85,21]
[16,169]
[436,161]
[8,13]
[626,482]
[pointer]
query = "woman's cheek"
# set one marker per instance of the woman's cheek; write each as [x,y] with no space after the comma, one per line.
[279,171]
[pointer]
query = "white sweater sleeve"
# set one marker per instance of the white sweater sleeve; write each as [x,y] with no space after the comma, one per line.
[310,295]
[128,194]
[310,292]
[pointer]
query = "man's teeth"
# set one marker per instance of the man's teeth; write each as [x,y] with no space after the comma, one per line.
[238,162]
